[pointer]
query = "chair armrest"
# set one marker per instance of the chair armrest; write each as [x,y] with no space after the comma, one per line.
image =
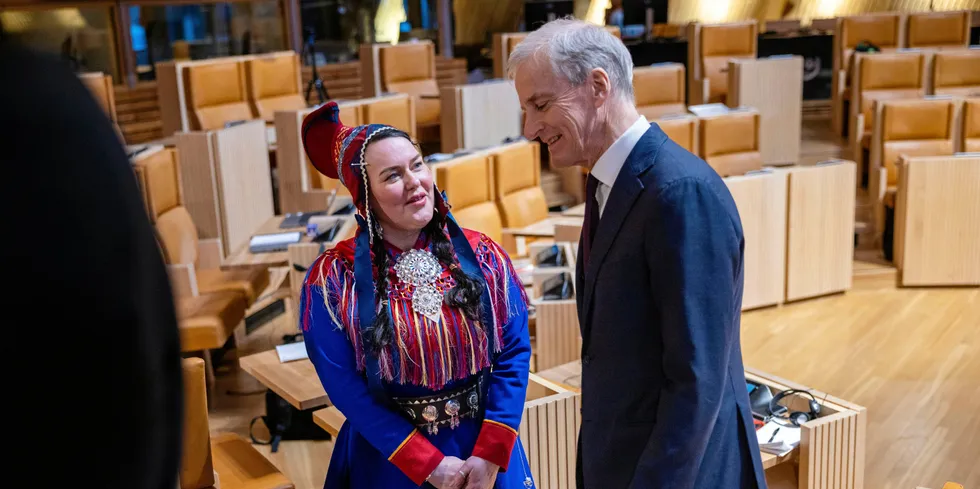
[183,280]
[705,90]
[209,253]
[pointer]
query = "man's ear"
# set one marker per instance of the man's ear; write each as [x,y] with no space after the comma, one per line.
[600,85]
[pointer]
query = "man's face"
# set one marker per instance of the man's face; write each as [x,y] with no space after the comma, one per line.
[556,113]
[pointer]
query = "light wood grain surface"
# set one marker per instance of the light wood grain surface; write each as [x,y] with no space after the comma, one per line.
[544,228]
[242,257]
[761,202]
[937,233]
[820,229]
[577,211]
[774,87]
[296,381]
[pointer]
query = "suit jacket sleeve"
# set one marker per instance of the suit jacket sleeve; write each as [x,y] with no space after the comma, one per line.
[694,250]
[333,356]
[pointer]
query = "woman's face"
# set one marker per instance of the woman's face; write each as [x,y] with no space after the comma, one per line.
[400,183]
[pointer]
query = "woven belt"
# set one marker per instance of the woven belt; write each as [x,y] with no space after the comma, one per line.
[443,409]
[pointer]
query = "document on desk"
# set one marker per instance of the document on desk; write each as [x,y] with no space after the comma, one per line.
[778,439]
[291,352]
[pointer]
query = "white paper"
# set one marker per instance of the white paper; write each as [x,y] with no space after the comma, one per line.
[292,352]
[785,440]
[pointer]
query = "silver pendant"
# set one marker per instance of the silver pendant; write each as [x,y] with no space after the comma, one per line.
[421,269]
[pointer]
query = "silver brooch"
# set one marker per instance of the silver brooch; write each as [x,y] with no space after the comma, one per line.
[421,269]
[452,409]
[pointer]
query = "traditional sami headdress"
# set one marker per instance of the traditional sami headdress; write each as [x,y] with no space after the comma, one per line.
[337,151]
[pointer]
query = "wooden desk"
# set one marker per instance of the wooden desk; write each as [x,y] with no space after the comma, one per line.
[296,381]
[936,214]
[577,211]
[243,258]
[544,228]
[761,203]
[832,448]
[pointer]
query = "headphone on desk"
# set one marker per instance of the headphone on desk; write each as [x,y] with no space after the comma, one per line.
[797,418]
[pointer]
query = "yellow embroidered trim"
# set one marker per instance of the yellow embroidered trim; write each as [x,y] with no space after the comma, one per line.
[404,442]
[512,430]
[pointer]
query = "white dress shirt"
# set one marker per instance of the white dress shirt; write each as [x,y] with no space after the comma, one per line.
[606,169]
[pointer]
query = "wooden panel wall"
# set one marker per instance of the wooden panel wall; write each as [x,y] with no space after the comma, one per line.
[820,229]
[549,433]
[138,112]
[244,182]
[832,451]
[761,202]
[559,339]
[937,241]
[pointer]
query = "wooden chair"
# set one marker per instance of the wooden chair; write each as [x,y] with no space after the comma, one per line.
[408,68]
[883,30]
[274,84]
[710,46]
[880,77]
[216,94]
[100,85]
[227,461]
[938,30]
[517,184]
[504,44]
[913,127]
[956,72]
[970,128]
[194,264]
[681,129]
[729,142]
[468,182]
[659,90]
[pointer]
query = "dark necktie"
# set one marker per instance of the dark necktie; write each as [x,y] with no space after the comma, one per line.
[591,217]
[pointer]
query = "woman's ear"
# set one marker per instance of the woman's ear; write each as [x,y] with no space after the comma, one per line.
[600,85]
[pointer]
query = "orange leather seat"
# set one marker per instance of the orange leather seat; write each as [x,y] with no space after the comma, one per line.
[659,90]
[467,181]
[274,84]
[217,95]
[938,30]
[240,466]
[880,29]
[956,72]
[101,87]
[159,179]
[681,129]
[882,77]
[517,184]
[207,321]
[411,68]
[971,125]
[920,127]
[718,44]
[730,142]
[227,460]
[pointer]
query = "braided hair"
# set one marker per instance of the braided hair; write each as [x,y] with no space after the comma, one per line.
[464,295]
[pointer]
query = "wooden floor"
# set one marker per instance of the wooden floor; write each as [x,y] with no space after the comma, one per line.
[911,356]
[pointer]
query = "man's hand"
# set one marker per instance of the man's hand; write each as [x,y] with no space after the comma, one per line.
[448,474]
[479,473]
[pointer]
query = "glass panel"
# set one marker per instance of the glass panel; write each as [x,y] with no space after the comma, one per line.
[168,32]
[83,37]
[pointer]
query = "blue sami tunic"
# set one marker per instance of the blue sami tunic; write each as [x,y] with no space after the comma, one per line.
[379,448]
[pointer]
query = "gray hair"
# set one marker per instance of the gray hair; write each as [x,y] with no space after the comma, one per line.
[575,48]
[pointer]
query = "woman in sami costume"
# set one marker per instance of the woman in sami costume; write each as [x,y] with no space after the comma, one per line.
[417,328]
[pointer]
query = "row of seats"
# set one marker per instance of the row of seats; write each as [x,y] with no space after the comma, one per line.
[890,32]
[659,90]
[728,142]
[907,74]
[495,189]
[211,302]
[223,90]
[408,68]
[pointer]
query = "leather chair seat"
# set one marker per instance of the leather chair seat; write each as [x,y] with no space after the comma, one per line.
[525,206]
[207,321]
[239,465]
[271,105]
[248,281]
[427,111]
[652,112]
[680,131]
[484,218]
[894,149]
[216,117]
[735,163]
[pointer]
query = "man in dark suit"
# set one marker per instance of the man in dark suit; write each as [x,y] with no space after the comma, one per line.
[659,277]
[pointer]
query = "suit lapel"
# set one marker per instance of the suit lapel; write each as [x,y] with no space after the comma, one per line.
[625,191]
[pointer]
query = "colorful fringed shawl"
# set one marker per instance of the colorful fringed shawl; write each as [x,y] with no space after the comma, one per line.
[423,352]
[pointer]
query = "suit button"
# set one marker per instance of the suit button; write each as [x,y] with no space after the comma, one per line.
[586,360]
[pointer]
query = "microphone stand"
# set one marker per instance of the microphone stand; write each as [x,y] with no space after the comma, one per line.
[309,52]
